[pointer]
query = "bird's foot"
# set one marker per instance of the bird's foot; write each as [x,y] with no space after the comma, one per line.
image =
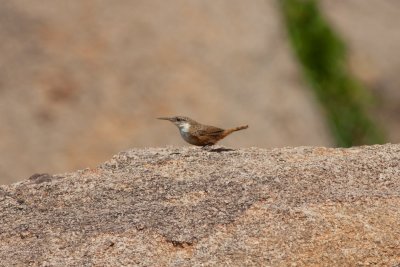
[207,147]
[213,148]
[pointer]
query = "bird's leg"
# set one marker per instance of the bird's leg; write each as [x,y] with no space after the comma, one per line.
[207,147]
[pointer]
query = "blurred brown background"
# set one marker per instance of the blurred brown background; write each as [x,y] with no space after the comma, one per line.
[83,80]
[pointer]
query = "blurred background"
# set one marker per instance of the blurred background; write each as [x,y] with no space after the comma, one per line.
[83,80]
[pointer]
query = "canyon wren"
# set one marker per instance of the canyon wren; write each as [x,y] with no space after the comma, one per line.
[198,134]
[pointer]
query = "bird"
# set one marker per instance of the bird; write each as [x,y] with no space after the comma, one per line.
[199,134]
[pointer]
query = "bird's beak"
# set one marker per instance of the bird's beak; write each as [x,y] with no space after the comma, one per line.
[165,118]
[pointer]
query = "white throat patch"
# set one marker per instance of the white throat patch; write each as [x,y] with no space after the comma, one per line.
[185,127]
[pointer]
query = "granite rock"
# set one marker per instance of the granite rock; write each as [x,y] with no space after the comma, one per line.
[192,207]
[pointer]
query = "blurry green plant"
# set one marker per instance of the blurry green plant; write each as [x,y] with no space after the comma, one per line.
[323,57]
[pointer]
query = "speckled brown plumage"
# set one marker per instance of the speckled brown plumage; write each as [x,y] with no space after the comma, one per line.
[199,134]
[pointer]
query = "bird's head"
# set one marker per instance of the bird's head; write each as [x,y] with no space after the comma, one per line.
[183,123]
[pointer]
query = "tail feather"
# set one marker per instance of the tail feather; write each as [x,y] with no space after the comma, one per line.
[229,131]
[240,128]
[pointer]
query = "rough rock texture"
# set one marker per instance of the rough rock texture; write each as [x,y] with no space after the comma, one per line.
[190,207]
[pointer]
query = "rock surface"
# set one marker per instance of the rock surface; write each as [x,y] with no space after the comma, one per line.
[190,207]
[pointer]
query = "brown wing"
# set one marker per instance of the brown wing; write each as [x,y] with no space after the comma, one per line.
[209,135]
[209,131]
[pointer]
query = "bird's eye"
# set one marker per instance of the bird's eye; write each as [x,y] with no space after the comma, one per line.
[178,119]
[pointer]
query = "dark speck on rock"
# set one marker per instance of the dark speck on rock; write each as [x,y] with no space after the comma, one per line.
[39,178]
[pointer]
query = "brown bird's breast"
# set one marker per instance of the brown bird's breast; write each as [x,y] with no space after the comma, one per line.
[203,136]
[192,139]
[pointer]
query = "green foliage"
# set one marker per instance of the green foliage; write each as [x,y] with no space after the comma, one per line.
[323,57]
